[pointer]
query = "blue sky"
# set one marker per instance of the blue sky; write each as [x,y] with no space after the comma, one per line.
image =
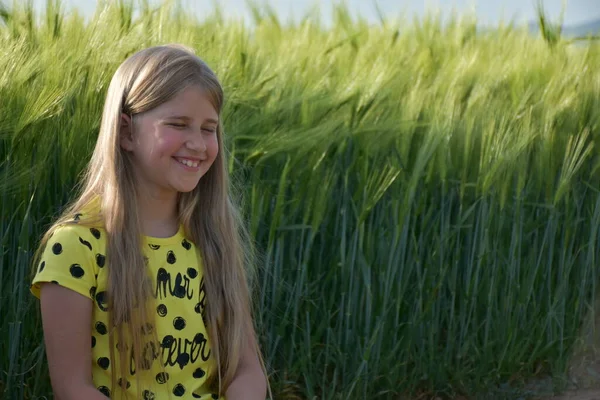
[487,11]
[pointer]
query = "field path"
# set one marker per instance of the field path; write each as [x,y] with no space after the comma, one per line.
[584,366]
[578,395]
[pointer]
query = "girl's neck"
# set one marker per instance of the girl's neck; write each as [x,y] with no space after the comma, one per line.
[158,215]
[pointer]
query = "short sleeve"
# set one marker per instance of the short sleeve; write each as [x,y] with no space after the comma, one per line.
[68,261]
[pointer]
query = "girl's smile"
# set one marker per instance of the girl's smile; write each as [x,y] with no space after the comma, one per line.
[189,164]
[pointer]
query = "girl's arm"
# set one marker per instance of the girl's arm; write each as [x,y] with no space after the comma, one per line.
[249,383]
[66,318]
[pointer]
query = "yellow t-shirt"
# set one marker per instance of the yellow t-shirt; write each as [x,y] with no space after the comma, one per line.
[74,257]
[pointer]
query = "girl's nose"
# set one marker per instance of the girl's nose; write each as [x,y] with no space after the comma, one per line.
[196,143]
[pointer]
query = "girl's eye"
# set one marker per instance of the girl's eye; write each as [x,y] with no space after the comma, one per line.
[209,130]
[176,125]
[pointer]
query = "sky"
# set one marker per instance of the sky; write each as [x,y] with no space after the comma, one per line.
[488,12]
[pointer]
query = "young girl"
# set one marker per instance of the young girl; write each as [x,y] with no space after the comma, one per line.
[142,280]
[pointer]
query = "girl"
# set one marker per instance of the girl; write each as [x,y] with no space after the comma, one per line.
[142,280]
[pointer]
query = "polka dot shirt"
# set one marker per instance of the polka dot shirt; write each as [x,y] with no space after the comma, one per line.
[75,258]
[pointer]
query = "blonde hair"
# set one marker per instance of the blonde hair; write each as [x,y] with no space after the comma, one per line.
[210,218]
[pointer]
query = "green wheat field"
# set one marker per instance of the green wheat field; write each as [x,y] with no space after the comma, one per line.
[425,196]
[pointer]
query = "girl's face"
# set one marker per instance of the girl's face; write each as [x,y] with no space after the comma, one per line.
[174,144]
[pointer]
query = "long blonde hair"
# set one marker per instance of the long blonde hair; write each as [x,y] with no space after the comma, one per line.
[209,216]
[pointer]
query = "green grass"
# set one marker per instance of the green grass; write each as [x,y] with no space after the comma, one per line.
[426,196]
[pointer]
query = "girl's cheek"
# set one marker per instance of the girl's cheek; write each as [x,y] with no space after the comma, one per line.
[214,145]
[170,144]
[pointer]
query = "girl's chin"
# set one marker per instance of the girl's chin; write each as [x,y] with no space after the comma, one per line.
[186,188]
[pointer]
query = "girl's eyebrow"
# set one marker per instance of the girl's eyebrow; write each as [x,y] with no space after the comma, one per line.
[186,118]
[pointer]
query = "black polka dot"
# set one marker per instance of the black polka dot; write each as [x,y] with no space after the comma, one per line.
[76,217]
[127,383]
[196,396]
[147,329]
[55,282]
[179,390]
[179,323]
[199,373]
[93,342]
[85,243]
[161,310]
[42,265]
[146,364]
[150,351]
[101,328]
[183,359]
[192,272]
[186,245]
[171,259]
[199,338]
[93,292]
[100,259]
[147,395]
[154,246]
[198,308]
[104,390]
[162,377]
[95,232]
[101,300]
[76,271]
[57,248]
[104,363]
[179,289]
[167,341]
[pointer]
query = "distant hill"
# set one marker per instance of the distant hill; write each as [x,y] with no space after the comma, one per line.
[589,28]
[584,29]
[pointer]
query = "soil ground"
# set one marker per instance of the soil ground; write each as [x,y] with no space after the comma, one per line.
[579,395]
[584,366]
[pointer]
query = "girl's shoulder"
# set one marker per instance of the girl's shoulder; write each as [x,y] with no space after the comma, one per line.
[79,225]
[72,256]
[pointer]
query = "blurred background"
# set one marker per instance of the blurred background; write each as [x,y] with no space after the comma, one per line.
[422,180]
[579,16]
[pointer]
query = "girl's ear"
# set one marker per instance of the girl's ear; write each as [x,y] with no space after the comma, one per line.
[125,133]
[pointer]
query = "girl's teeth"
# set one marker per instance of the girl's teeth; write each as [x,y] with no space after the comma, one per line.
[189,163]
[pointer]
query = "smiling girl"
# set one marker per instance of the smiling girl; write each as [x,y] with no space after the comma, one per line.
[142,281]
